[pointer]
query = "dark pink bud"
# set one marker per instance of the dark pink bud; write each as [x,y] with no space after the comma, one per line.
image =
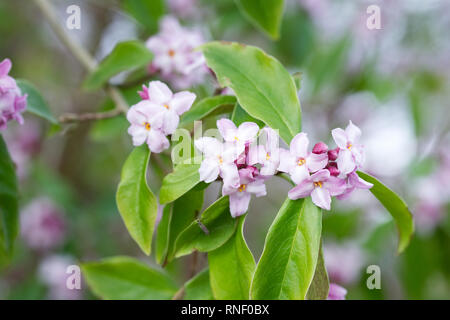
[333,154]
[320,148]
[144,93]
[332,167]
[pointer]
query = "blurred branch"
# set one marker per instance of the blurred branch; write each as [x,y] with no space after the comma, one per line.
[73,117]
[81,55]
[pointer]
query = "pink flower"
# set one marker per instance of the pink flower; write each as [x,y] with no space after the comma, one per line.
[336,292]
[298,162]
[170,105]
[354,182]
[174,54]
[344,262]
[183,8]
[42,225]
[250,183]
[268,155]
[320,186]
[351,154]
[12,102]
[218,160]
[240,137]
[146,126]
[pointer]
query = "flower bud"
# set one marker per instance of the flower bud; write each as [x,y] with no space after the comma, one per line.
[320,148]
[332,167]
[333,154]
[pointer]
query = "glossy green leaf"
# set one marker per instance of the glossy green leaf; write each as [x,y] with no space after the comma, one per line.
[288,262]
[264,88]
[198,288]
[204,107]
[212,230]
[239,116]
[396,207]
[231,267]
[125,56]
[177,217]
[146,12]
[124,278]
[35,102]
[136,202]
[320,285]
[9,215]
[181,180]
[265,15]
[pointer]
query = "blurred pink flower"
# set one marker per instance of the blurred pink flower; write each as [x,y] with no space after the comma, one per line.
[42,225]
[174,54]
[336,292]
[343,262]
[12,102]
[53,273]
[183,8]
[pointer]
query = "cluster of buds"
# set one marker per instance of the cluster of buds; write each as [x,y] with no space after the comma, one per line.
[157,115]
[245,166]
[12,102]
[175,57]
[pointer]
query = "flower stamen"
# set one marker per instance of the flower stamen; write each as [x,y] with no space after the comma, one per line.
[301,161]
[242,187]
[318,184]
[147,126]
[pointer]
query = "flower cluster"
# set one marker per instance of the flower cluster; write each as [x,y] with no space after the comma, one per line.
[12,102]
[157,115]
[244,167]
[175,56]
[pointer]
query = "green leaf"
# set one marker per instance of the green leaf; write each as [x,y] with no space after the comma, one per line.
[211,231]
[198,288]
[125,56]
[146,12]
[9,213]
[288,262]
[231,267]
[205,107]
[124,278]
[181,180]
[263,87]
[266,15]
[35,102]
[137,204]
[396,207]
[239,116]
[176,217]
[320,285]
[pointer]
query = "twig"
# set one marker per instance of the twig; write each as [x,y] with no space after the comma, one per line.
[179,294]
[73,117]
[78,51]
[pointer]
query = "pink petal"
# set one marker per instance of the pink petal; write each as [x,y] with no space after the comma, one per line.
[227,129]
[211,147]
[247,175]
[299,174]
[268,168]
[157,141]
[5,67]
[239,202]
[171,121]
[273,140]
[144,93]
[256,154]
[247,131]
[315,162]
[335,186]
[299,145]
[345,161]
[138,134]
[227,190]
[182,101]
[230,175]
[209,171]
[136,117]
[159,92]
[321,198]
[302,190]
[287,161]
[336,292]
[353,132]
[321,175]
[357,182]
[347,193]
[340,137]
[258,188]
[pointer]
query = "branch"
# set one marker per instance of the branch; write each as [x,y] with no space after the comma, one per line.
[79,52]
[73,117]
